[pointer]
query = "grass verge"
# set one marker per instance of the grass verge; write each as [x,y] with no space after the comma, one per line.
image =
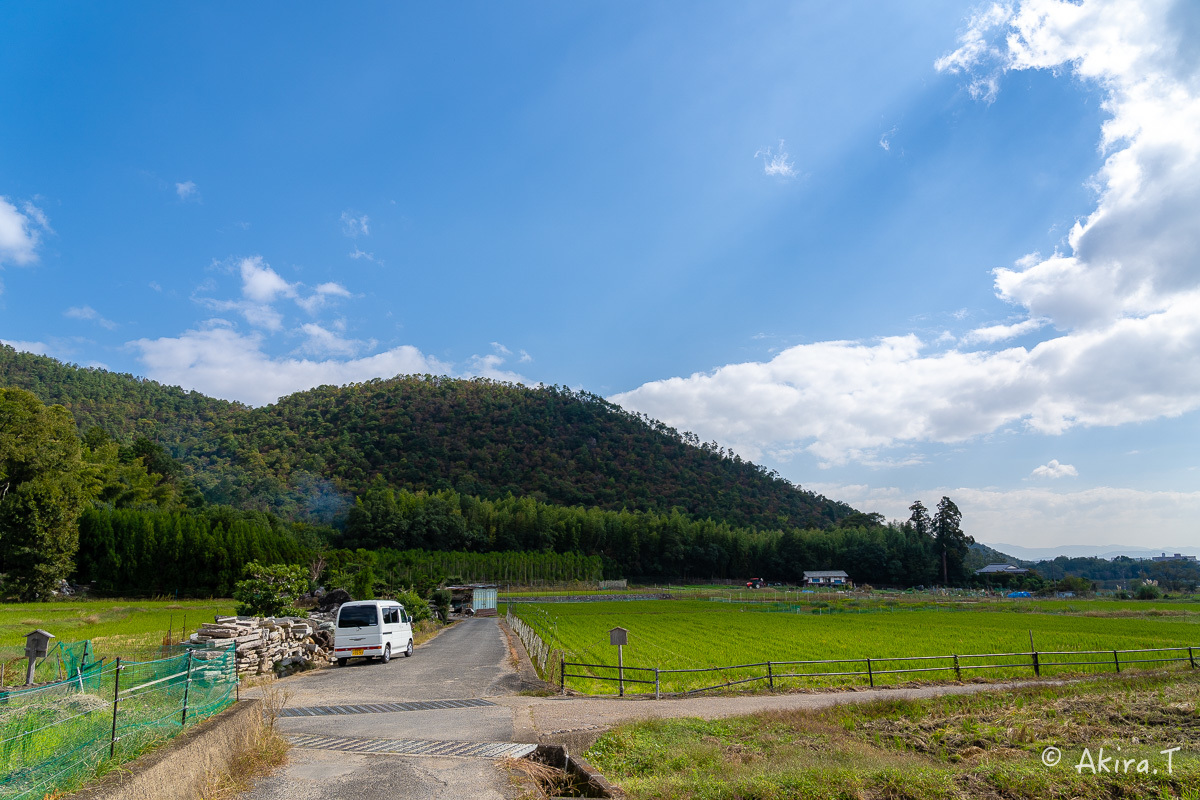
[981,746]
[267,753]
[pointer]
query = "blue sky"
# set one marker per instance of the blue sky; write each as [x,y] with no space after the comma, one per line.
[838,240]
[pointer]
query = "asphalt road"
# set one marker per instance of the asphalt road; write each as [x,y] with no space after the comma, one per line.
[468,660]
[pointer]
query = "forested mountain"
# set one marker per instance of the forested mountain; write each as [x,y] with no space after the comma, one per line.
[305,456]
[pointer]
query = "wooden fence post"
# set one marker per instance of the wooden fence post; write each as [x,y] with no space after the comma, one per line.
[1191,658]
[112,746]
[1037,667]
[657,687]
[957,670]
[870,674]
[770,676]
[1117,660]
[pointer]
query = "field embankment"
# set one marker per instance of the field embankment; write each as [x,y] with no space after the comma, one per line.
[1036,742]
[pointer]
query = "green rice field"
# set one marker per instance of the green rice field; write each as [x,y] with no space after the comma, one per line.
[685,634]
[126,628]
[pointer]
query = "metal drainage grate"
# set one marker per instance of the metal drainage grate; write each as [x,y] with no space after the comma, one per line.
[381,708]
[415,747]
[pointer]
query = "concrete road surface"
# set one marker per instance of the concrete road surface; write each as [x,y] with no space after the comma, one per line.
[469,660]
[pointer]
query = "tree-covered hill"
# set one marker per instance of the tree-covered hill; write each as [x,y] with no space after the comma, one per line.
[306,454]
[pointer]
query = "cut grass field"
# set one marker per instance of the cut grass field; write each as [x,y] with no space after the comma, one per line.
[987,745]
[698,634]
[126,628]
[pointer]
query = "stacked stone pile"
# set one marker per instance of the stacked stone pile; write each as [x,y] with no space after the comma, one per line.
[263,643]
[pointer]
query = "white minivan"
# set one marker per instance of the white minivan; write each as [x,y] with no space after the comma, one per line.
[371,629]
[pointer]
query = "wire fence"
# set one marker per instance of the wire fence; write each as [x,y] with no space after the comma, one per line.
[58,735]
[871,671]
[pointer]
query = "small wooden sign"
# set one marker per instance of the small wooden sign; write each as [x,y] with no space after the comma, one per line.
[618,636]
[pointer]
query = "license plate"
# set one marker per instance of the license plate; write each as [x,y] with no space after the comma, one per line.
[356,652]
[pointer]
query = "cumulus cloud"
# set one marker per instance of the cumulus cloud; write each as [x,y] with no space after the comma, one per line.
[355,224]
[1032,517]
[776,161]
[217,360]
[91,315]
[1055,470]
[186,190]
[20,232]
[1125,298]
[262,287]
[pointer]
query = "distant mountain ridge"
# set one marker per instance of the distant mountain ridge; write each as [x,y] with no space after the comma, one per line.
[1108,551]
[305,455]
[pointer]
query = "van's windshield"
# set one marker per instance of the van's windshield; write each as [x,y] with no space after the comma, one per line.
[356,616]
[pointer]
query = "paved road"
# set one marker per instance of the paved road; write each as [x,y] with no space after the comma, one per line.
[469,660]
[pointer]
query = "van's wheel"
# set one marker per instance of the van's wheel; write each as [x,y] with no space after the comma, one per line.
[408,650]
[387,654]
[342,662]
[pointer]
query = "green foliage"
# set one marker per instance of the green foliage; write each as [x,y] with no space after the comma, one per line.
[180,552]
[270,591]
[1147,591]
[43,489]
[304,455]
[634,543]
[417,608]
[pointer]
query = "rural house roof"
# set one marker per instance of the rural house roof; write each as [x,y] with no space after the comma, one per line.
[1001,569]
[826,573]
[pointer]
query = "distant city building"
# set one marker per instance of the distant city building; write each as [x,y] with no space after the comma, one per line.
[1001,569]
[828,577]
[1176,557]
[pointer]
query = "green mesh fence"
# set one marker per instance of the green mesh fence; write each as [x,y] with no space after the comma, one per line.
[56,736]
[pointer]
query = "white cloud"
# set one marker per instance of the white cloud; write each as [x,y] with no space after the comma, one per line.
[1055,470]
[1036,517]
[323,342]
[91,315]
[776,161]
[885,141]
[21,232]
[1125,299]
[262,287]
[491,365]
[219,361]
[355,224]
[321,295]
[262,284]
[990,334]
[186,190]
[38,348]
[847,400]
[358,253]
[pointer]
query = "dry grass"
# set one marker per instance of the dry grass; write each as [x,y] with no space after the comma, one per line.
[266,754]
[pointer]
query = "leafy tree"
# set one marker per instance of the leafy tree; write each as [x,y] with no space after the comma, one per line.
[951,541]
[919,520]
[270,591]
[43,489]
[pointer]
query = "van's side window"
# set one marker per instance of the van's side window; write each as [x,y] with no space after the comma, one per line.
[390,616]
[403,615]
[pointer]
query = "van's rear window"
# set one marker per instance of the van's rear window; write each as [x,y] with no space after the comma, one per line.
[356,616]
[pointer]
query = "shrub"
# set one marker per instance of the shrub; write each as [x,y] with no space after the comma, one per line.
[417,608]
[270,591]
